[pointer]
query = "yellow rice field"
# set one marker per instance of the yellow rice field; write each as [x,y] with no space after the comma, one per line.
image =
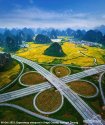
[73,56]
[8,76]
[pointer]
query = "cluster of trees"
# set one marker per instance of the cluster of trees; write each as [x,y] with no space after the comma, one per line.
[94,36]
[12,39]
[5,60]
[54,50]
[42,39]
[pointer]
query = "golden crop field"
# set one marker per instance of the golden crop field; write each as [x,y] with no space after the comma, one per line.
[7,76]
[73,55]
[1,49]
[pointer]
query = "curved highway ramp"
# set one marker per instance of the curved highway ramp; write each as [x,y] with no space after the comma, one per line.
[85,111]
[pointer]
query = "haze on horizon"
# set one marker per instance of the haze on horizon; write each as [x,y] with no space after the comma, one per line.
[56,14]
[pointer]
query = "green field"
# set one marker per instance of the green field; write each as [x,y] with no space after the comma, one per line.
[48,100]
[60,70]
[32,78]
[83,88]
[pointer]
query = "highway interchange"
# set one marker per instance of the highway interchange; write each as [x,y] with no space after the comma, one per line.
[85,111]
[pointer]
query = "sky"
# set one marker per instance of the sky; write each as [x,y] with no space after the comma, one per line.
[75,14]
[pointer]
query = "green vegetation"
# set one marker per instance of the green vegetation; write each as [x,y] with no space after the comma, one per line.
[5,61]
[9,74]
[73,56]
[75,61]
[96,104]
[8,114]
[94,36]
[11,44]
[83,88]
[16,84]
[32,78]
[42,39]
[48,100]
[66,113]
[11,40]
[54,50]
[57,61]
[103,83]
[60,70]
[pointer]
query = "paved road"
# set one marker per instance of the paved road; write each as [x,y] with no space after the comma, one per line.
[85,111]
[34,114]
[100,86]
[35,88]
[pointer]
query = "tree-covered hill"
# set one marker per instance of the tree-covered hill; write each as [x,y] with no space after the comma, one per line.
[54,50]
[5,60]
[42,39]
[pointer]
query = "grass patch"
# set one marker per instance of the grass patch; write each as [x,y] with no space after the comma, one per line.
[17,85]
[66,113]
[96,104]
[60,71]
[82,88]
[103,83]
[32,78]
[10,114]
[48,100]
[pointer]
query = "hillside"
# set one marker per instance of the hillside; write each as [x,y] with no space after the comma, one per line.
[54,50]
[5,60]
[42,39]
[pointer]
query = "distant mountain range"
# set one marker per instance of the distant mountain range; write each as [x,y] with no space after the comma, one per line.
[101,28]
[11,39]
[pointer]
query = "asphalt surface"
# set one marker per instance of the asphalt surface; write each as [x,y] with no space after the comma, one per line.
[85,111]
[52,120]
[100,86]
